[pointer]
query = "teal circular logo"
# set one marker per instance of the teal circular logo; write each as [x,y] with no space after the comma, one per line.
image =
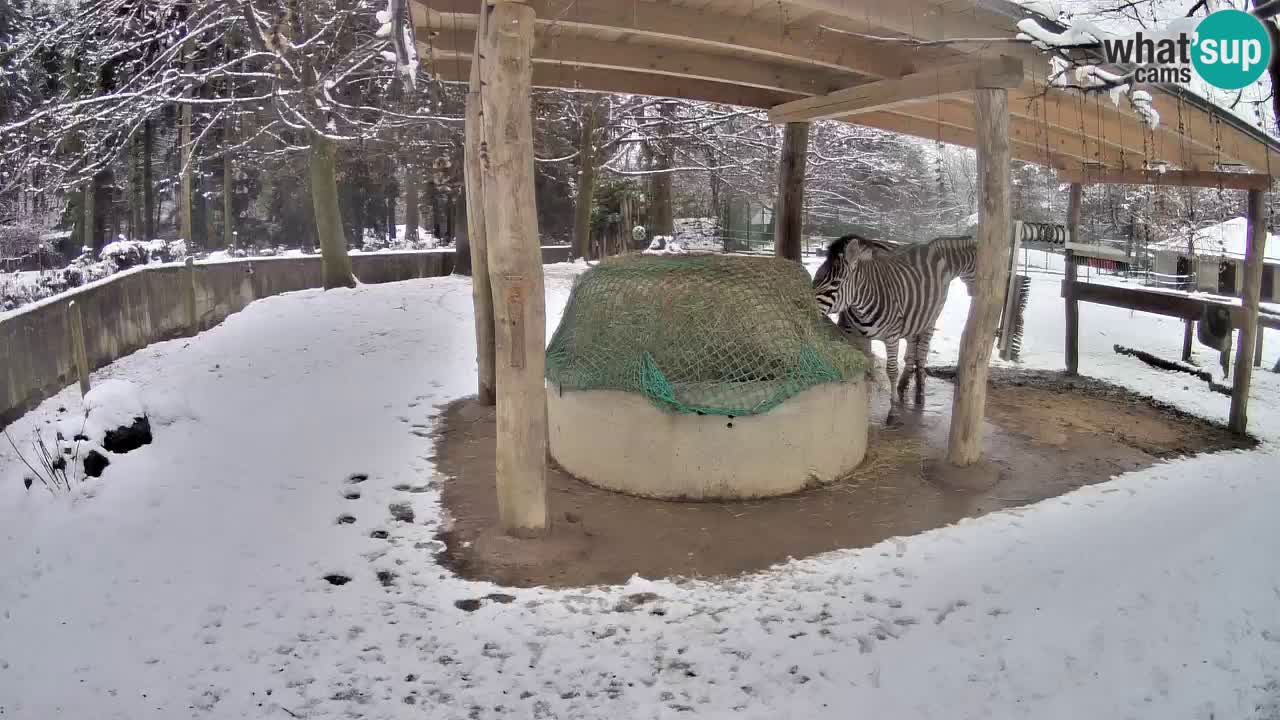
[1231,49]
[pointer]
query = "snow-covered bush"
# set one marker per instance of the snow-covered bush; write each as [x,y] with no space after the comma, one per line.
[58,467]
[124,254]
[373,242]
[664,245]
[700,234]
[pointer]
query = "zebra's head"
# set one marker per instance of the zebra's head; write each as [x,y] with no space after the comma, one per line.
[831,286]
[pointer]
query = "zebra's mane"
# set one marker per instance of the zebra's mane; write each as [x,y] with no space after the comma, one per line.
[838,247]
[954,240]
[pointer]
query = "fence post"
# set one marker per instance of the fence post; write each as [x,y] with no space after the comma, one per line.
[1249,291]
[78,350]
[190,296]
[1074,201]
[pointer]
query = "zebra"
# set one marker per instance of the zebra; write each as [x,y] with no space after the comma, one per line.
[885,293]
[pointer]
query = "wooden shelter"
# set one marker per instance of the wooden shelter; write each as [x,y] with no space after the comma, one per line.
[946,70]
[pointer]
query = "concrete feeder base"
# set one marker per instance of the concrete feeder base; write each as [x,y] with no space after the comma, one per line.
[621,441]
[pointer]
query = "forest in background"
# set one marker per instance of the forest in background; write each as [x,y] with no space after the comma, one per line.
[228,125]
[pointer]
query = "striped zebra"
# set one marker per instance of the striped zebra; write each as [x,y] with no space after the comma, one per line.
[889,293]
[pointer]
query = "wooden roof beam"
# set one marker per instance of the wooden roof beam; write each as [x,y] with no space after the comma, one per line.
[1203,141]
[803,43]
[930,130]
[1097,123]
[928,20]
[572,77]
[1029,132]
[1174,178]
[1208,133]
[1004,72]
[570,48]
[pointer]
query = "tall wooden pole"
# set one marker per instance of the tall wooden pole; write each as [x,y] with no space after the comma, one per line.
[477,249]
[1239,418]
[1069,279]
[515,266]
[995,228]
[788,218]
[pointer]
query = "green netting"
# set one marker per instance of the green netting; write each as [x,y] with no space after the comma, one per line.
[709,334]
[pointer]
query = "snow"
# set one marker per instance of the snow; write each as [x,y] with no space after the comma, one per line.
[186,582]
[111,404]
[1078,32]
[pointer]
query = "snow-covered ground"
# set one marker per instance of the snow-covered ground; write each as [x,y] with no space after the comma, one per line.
[187,581]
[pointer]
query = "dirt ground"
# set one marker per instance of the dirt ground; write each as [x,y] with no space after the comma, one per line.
[1046,435]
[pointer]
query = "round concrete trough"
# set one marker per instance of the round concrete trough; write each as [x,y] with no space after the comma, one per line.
[621,441]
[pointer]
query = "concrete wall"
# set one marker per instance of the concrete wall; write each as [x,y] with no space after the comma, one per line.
[129,311]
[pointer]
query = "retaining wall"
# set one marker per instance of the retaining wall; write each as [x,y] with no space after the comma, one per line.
[126,312]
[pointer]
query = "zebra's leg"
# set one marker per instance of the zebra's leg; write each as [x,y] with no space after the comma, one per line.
[891,366]
[891,369]
[921,362]
[908,368]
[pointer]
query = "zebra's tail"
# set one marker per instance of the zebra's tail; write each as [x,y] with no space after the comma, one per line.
[1023,290]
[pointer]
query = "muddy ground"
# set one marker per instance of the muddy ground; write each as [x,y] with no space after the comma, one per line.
[1046,435]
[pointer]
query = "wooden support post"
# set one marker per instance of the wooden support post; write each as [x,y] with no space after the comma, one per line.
[1257,348]
[1188,336]
[1252,288]
[788,216]
[481,290]
[477,248]
[994,234]
[515,266]
[1073,305]
[78,351]
[189,295]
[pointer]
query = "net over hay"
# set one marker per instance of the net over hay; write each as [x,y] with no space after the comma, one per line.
[708,334]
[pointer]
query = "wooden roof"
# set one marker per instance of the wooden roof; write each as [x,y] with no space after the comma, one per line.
[763,53]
